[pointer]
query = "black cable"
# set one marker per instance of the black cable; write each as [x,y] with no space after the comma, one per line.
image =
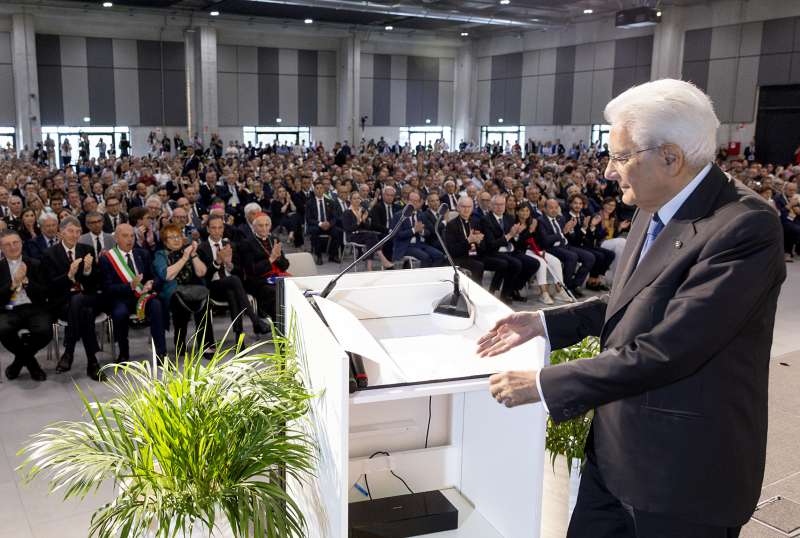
[366,482]
[393,474]
[428,430]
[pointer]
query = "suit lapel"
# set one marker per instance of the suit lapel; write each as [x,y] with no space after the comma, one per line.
[677,234]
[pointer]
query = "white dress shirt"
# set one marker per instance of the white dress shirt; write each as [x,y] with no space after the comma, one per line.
[666,213]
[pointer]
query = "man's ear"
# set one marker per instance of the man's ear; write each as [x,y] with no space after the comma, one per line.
[673,157]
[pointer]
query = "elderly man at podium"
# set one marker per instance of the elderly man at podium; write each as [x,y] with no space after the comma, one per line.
[678,439]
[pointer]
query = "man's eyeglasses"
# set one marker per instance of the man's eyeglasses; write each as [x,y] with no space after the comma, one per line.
[625,157]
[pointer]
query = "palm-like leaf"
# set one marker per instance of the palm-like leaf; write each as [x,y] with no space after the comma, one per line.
[187,446]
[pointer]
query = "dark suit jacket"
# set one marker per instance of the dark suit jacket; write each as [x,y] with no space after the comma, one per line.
[34,248]
[256,259]
[56,266]
[547,234]
[428,217]
[494,235]
[114,288]
[107,224]
[37,282]
[378,216]
[456,240]
[312,215]
[206,254]
[680,388]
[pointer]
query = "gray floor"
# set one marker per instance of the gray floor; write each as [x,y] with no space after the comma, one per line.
[26,407]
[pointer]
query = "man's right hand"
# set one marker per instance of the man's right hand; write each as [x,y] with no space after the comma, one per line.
[73,268]
[509,332]
[136,281]
[19,274]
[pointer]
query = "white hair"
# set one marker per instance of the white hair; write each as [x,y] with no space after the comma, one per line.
[668,111]
[252,207]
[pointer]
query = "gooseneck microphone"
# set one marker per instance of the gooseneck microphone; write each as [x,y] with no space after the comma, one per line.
[407,210]
[453,304]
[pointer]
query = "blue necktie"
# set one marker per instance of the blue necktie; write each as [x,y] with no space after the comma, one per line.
[652,232]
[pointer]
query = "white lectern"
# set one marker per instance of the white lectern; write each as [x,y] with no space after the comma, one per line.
[485,458]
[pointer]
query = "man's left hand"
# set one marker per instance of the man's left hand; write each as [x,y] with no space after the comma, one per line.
[514,388]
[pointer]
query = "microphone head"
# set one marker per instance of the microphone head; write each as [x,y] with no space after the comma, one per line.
[407,210]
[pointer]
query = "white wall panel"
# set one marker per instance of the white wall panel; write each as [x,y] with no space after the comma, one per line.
[73,51]
[530,93]
[287,61]
[287,98]
[545,99]
[397,114]
[126,95]
[530,63]
[247,105]
[446,98]
[326,101]
[75,81]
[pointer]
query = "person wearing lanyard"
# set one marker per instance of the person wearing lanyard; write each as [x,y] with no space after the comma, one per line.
[465,243]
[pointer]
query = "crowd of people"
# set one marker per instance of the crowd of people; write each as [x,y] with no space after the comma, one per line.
[156,238]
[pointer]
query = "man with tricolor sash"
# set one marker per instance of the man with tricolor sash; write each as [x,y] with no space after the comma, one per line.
[128,281]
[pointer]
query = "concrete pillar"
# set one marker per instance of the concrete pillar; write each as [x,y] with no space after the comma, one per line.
[26,80]
[463,102]
[191,77]
[349,64]
[208,122]
[668,44]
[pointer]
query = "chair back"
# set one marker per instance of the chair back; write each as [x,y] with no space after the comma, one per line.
[301,264]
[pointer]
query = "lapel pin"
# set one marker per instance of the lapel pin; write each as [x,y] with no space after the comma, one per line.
[678,244]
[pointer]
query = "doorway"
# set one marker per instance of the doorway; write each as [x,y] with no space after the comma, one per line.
[514,134]
[777,135]
[270,135]
[110,136]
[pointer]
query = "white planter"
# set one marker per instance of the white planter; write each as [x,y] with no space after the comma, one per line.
[559,493]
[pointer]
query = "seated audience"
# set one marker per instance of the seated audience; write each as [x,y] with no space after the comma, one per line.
[614,233]
[526,242]
[358,229]
[72,283]
[224,276]
[320,225]
[181,282]
[96,238]
[128,288]
[23,295]
[264,263]
[412,238]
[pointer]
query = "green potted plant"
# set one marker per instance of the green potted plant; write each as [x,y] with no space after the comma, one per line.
[565,444]
[203,447]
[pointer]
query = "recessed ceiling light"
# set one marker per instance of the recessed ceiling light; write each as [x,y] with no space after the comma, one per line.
[499,120]
[108,4]
[427,120]
[278,120]
[588,11]
[308,21]
[87,119]
[214,13]
[505,2]
[388,28]
[535,20]
[658,13]
[464,34]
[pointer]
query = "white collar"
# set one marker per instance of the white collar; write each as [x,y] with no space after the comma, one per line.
[669,209]
[66,248]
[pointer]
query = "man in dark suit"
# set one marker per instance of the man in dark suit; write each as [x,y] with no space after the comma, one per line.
[500,230]
[411,240]
[381,216]
[678,439]
[428,217]
[464,241]
[72,281]
[126,286]
[23,296]
[35,247]
[264,262]
[320,221]
[113,216]
[552,232]
[224,276]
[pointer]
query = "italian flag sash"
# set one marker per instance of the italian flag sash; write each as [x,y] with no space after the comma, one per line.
[126,274]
